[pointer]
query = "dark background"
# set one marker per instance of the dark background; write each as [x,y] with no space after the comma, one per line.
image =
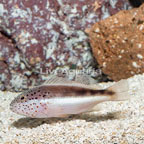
[136,3]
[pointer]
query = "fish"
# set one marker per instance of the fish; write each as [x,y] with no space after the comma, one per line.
[61,97]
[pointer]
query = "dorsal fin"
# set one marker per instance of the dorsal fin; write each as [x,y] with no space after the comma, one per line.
[55,80]
[85,79]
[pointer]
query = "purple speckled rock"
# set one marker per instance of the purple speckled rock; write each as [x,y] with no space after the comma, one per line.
[47,34]
[81,14]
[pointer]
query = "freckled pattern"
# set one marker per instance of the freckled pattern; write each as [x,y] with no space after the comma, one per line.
[36,101]
[28,103]
[49,34]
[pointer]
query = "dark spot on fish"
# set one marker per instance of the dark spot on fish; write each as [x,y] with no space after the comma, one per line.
[44,95]
[22,98]
[38,90]
[34,92]
[36,98]
[31,94]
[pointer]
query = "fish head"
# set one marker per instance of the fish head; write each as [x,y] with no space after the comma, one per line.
[27,103]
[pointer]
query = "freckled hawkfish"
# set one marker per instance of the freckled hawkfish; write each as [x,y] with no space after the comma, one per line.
[60,97]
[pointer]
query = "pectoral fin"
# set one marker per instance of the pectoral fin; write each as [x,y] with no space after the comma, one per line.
[95,108]
[63,116]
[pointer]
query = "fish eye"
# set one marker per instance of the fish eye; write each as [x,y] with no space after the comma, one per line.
[22,98]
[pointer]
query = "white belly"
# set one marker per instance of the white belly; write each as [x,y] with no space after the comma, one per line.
[58,107]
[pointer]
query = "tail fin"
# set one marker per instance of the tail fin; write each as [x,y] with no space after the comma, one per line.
[121,89]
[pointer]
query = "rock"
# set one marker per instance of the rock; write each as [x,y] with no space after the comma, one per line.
[7,60]
[118,43]
[49,34]
[80,14]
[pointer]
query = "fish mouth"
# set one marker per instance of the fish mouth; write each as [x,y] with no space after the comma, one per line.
[13,105]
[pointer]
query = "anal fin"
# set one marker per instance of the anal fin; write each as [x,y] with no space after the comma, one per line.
[96,108]
[63,116]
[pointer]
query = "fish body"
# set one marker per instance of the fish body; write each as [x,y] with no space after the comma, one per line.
[59,97]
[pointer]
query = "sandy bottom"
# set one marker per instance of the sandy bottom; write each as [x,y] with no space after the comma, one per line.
[117,122]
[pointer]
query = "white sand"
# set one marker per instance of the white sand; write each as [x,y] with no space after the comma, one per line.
[117,122]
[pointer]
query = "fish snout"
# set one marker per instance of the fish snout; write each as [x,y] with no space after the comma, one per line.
[12,105]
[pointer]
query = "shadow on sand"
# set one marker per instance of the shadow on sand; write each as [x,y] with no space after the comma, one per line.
[35,122]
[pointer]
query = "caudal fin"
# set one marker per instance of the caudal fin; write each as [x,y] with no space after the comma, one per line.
[121,90]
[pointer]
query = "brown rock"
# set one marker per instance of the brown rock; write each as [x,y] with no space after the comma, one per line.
[118,43]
